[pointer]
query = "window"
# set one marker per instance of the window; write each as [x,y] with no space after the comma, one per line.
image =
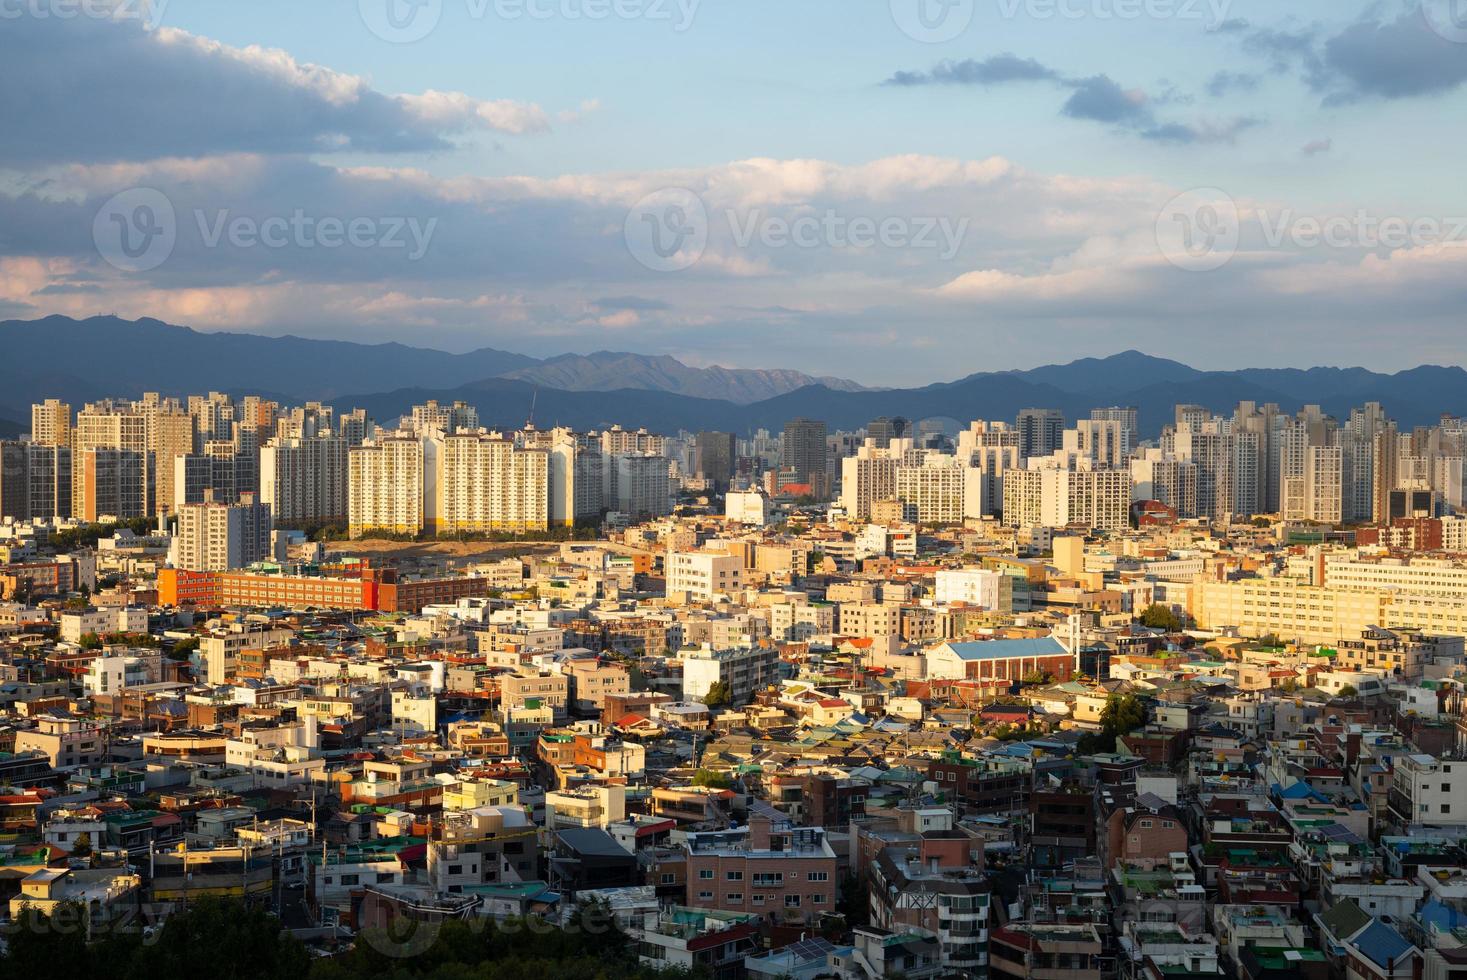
[706,896]
[819,876]
[819,899]
[734,897]
[705,873]
[669,879]
[734,875]
[349,879]
[792,901]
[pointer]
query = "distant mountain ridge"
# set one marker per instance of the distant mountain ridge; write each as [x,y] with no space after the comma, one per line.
[1155,386]
[82,360]
[610,371]
[126,357]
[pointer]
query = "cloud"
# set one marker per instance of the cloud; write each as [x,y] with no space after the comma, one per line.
[1226,82]
[996,70]
[1315,147]
[1371,58]
[1097,98]
[637,303]
[1402,59]
[87,90]
[1102,99]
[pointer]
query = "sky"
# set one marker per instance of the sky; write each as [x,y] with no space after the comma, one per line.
[892,191]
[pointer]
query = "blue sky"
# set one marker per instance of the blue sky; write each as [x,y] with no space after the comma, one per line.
[1026,172]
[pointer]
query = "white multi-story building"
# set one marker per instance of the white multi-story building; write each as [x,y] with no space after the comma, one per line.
[976,586]
[870,475]
[639,485]
[744,669]
[1156,476]
[485,483]
[704,574]
[303,479]
[942,489]
[386,487]
[749,507]
[110,674]
[1057,495]
[214,536]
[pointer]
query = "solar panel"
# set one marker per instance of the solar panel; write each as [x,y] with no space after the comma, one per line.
[810,949]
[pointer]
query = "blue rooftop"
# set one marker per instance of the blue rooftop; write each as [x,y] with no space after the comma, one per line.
[1005,649]
[1380,943]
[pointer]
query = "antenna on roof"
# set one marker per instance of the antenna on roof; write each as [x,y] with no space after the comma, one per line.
[534,397]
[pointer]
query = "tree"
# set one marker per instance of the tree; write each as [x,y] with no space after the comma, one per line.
[1159,617]
[719,695]
[184,648]
[90,641]
[711,779]
[83,844]
[1122,714]
[1349,691]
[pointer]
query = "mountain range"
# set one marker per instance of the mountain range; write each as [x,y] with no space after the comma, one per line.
[82,360]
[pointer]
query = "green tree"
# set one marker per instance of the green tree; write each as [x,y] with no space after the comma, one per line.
[719,695]
[711,779]
[90,641]
[1122,714]
[1159,617]
[1349,691]
[83,844]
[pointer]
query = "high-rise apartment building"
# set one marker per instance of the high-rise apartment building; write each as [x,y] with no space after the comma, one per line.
[640,486]
[386,485]
[715,457]
[485,483]
[803,450]
[1172,481]
[35,481]
[51,423]
[447,419]
[870,475]
[196,476]
[882,431]
[1060,496]
[111,483]
[1127,416]
[118,426]
[303,480]
[1041,431]
[214,536]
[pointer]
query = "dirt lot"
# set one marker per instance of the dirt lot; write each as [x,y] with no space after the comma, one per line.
[440,549]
